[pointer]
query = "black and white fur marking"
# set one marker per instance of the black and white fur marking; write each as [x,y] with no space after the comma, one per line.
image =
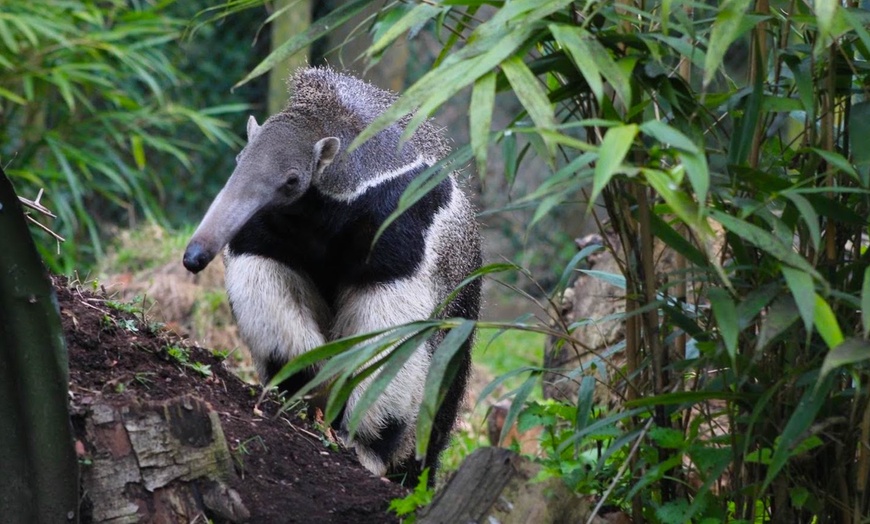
[298,217]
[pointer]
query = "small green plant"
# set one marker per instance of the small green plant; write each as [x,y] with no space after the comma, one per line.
[182,356]
[199,367]
[221,354]
[128,324]
[144,378]
[133,307]
[179,354]
[578,467]
[406,508]
[238,453]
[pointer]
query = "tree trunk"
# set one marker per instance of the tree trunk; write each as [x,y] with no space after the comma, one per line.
[290,23]
[39,481]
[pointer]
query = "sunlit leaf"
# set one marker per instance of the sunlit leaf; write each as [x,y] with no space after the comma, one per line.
[616,144]
[826,323]
[574,41]
[825,11]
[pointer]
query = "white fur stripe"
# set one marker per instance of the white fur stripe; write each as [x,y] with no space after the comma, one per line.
[376,180]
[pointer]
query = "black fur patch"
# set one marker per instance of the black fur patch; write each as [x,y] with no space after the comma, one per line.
[294,382]
[388,441]
[331,241]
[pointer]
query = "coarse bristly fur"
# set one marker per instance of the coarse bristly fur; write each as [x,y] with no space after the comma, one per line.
[298,217]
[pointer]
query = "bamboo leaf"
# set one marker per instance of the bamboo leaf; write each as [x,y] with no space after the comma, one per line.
[781,315]
[850,351]
[518,403]
[803,290]
[422,184]
[585,399]
[318,28]
[809,216]
[530,93]
[826,323]
[480,119]
[825,11]
[616,144]
[836,160]
[318,355]
[726,29]
[802,417]
[765,241]
[679,201]
[138,151]
[439,84]
[865,303]
[859,126]
[726,320]
[443,368]
[392,365]
[416,16]
[574,41]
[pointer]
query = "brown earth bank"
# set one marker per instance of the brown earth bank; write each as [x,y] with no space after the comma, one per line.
[286,469]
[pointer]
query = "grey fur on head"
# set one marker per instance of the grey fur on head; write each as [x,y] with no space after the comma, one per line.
[353,104]
[298,217]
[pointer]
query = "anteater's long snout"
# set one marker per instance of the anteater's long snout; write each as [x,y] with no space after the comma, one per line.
[196,257]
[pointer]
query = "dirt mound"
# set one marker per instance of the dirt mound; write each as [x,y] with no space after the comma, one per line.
[286,471]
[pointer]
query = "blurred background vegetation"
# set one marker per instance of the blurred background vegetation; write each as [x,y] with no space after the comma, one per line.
[704,358]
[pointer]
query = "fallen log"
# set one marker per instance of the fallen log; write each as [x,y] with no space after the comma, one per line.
[164,461]
[496,485]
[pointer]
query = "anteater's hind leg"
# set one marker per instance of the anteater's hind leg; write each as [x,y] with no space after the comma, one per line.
[279,312]
[384,441]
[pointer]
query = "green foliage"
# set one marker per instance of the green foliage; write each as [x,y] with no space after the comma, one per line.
[182,356]
[730,134]
[91,112]
[406,508]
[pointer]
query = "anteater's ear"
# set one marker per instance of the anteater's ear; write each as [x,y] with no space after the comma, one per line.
[325,151]
[253,128]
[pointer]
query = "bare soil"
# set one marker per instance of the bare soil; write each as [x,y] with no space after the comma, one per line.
[287,470]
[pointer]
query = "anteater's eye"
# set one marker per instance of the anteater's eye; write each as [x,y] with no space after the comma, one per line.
[292,178]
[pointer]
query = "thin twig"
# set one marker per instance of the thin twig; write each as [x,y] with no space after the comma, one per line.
[621,471]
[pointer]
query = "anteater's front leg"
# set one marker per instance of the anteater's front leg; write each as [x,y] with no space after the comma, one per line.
[279,312]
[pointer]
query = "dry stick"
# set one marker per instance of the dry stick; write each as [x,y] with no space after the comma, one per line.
[628,460]
[828,122]
[621,216]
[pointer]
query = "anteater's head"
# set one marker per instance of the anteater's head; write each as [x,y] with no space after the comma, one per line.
[275,168]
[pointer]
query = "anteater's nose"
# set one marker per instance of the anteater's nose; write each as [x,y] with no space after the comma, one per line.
[196,258]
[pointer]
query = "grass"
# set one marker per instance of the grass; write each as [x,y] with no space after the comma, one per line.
[495,353]
[499,352]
